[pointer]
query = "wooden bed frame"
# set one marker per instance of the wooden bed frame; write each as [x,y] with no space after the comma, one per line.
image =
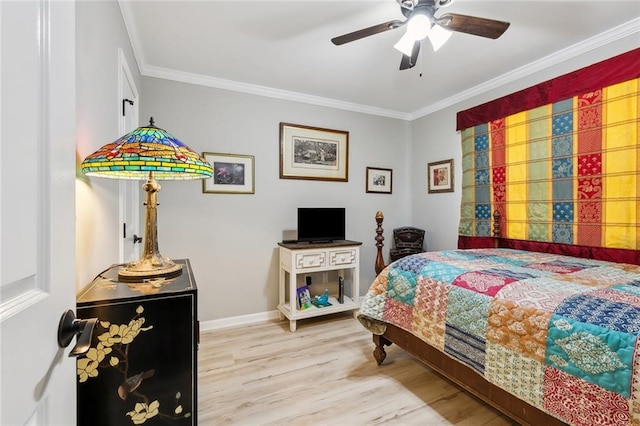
[460,374]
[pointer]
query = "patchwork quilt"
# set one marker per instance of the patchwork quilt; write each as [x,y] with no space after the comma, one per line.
[558,332]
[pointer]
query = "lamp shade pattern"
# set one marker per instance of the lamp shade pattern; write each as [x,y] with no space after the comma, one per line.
[147,149]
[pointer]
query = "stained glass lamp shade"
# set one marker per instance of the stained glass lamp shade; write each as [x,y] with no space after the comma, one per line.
[148,153]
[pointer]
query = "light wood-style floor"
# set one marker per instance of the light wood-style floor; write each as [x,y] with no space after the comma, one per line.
[323,374]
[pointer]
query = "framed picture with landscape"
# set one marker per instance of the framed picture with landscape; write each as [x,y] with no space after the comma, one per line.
[313,153]
[379,180]
[440,176]
[232,174]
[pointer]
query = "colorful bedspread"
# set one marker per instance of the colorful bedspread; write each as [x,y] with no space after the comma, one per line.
[558,332]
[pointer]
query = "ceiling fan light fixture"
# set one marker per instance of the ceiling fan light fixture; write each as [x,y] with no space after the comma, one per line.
[419,26]
[438,36]
[405,44]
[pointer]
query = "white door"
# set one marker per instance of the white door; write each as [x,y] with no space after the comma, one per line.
[129,189]
[37,212]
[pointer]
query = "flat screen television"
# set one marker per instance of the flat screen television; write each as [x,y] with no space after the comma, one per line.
[321,224]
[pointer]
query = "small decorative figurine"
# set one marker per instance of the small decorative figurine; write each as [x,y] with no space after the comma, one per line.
[322,301]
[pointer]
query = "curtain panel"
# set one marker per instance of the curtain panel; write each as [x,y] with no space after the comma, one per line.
[565,171]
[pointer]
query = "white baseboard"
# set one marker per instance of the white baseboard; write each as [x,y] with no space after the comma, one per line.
[239,320]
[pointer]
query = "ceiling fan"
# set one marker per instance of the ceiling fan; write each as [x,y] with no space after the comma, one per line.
[421,23]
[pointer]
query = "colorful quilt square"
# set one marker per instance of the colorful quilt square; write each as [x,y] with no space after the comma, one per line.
[412,264]
[595,354]
[515,373]
[617,294]
[468,311]
[605,276]
[557,267]
[430,311]
[543,293]
[481,282]
[465,347]
[516,273]
[519,329]
[398,313]
[441,271]
[597,405]
[610,314]
[401,287]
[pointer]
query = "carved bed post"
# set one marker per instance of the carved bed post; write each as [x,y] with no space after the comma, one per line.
[379,266]
[496,228]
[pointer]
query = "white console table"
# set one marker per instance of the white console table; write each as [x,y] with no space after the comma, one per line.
[323,263]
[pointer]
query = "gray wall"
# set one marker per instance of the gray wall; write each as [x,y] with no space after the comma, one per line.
[231,239]
[100,32]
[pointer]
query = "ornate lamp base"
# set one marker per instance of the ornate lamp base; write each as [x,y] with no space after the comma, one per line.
[151,264]
[145,269]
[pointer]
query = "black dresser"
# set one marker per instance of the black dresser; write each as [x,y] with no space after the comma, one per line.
[141,367]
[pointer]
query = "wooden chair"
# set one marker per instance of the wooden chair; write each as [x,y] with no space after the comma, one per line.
[407,240]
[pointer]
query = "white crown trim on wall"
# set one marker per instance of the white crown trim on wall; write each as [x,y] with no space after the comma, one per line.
[612,35]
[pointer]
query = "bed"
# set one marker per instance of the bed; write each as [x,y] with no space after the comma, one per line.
[543,337]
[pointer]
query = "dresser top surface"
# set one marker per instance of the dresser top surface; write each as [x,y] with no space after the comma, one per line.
[107,287]
[304,245]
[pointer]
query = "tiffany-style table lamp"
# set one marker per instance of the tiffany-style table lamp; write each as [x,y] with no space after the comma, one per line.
[148,153]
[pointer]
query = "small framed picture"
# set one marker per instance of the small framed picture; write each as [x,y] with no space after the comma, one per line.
[304,297]
[379,180]
[232,174]
[440,176]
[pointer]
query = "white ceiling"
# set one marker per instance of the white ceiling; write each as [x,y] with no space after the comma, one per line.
[283,48]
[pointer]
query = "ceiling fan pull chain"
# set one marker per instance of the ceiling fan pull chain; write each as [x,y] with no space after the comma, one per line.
[420,59]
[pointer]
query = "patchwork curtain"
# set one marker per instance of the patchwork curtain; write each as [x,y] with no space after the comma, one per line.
[559,161]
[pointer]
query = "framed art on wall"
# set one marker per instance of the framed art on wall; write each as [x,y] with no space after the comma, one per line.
[440,176]
[379,180]
[313,153]
[232,174]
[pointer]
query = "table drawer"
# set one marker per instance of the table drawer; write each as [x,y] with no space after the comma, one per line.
[310,260]
[342,257]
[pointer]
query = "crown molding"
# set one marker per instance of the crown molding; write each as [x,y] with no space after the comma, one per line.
[617,33]
[253,89]
[610,36]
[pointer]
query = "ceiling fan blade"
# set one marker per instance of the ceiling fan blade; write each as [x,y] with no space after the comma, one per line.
[473,25]
[410,61]
[366,32]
